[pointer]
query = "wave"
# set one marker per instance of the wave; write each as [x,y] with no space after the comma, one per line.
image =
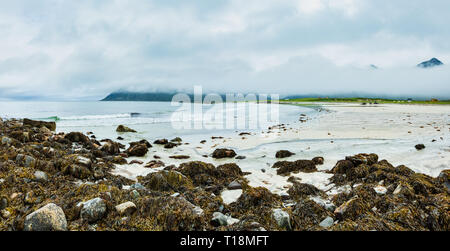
[95,117]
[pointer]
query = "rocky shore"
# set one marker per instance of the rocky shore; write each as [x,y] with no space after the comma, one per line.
[57,181]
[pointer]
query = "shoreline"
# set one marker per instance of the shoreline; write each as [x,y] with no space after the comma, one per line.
[255,187]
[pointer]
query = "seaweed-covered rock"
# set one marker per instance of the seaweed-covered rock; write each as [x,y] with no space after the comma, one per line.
[49,125]
[352,209]
[77,137]
[318,160]
[138,150]
[161,142]
[363,158]
[173,214]
[110,148]
[48,218]
[300,190]
[306,215]
[166,181]
[283,154]
[286,167]
[223,153]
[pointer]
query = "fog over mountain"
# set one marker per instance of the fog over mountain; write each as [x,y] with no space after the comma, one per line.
[84,50]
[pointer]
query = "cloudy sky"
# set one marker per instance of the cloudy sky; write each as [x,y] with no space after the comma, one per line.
[84,49]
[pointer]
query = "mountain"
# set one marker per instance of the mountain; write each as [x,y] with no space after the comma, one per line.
[431,63]
[138,96]
[151,96]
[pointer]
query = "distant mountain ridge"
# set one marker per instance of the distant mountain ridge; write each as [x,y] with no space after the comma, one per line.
[430,63]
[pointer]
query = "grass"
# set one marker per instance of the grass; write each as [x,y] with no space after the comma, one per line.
[365,100]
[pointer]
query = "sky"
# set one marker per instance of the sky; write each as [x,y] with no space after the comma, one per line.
[85,49]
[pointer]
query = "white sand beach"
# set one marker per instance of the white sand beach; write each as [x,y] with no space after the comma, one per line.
[339,130]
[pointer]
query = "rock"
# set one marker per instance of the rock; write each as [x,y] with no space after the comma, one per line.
[111,148]
[93,210]
[40,176]
[283,154]
[351,209]
[6,141]
[77,137]
[286,167]
[240,157]
[25,160]
[318,160]
[381,190]
[170,145]
[220,219]
[155,164]
[179,157]
[342,166]
[142,142]
[161,142]
[363,158]
[282,218]
[139,150]
[80,160]
[50,125]
[420,147]
[234,185]
[166,181]
[328,222]
[307,214]
[5,214]
[126,208]
[139,162]
[300,190]
[224,153]
[177,140]
[3,203]
[122,128]
[138,186]
[48,218]
[173,213]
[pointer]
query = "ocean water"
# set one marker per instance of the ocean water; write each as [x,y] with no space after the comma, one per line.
[152,120]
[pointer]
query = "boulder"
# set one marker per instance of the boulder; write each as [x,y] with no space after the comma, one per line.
[48,218]
[49,125]
[110,148]
[77,137]
[224,153]
[122,128]
[139,150]
[93,210]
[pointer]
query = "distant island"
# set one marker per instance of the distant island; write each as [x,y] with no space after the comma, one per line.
[430,63]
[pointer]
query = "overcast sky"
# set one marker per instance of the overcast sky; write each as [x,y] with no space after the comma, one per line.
[84,49]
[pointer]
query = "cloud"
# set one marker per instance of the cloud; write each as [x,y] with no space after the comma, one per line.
[88,48]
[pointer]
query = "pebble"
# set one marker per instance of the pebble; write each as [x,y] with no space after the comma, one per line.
[126,208]
[93,210]
[40,176]
[327,222]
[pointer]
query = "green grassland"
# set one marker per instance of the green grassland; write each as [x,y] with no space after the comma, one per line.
[365,100]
